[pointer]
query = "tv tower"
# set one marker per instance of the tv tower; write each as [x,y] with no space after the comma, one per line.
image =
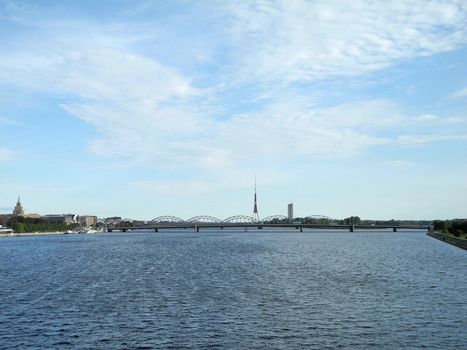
[255,207]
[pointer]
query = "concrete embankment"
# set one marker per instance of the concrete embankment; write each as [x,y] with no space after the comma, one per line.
[458,242]
[28,234]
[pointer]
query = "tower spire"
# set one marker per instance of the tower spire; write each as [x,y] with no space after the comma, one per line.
[255,207]
[18,208]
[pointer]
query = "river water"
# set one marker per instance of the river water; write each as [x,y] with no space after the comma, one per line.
[260,289]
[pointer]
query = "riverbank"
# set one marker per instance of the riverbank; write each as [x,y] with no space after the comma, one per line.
[458,242]
[28,234]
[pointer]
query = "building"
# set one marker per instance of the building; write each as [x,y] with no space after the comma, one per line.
[87,220]
[60,218]
[17,211]
[18,208]
[4,219]
[290,212]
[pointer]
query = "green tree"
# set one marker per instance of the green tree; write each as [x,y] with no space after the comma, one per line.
[20,227]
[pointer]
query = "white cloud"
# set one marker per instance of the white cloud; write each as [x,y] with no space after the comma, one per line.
[417,140]
[11,122]
[307,40]
[426,118]
[460,93]
[400,163]
[5,154]
[216,181]
[438,120]
[157,114]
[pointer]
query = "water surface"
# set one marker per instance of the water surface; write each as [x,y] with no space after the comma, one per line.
[233,290]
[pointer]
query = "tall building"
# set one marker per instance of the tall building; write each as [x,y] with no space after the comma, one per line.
[290,212]
[18,208]
[255,207]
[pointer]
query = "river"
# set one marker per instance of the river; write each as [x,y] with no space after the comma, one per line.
[261,289]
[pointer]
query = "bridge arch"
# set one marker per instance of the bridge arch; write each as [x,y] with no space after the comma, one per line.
[166,219]
[317,216]
[317,219]
[239,219]
[275,219]
[204,218]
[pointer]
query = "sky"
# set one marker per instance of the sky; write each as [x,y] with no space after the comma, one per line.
[149,108]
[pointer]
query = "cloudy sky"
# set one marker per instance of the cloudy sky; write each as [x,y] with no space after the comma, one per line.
[145,108]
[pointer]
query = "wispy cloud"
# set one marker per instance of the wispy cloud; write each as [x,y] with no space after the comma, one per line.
[114,77]
[417,140]
[460,93]
[300,40]
[438,120]
[399,163]
[11,122]
[216,181]
[5,209]
[5,154]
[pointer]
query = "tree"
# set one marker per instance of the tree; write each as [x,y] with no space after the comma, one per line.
[440,225]
[19,227]
[353,219]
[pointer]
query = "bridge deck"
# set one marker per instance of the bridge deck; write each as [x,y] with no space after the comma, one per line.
[198,226]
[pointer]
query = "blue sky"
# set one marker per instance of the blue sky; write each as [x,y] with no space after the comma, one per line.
[141,109]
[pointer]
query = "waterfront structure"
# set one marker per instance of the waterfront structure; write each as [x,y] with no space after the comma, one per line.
[255,207]
[18,208]
[290,212]
[87,220]
[60,218]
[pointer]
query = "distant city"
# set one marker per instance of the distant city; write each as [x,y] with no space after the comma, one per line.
[19,221]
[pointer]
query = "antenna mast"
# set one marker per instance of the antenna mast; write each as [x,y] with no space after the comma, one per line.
[255,207]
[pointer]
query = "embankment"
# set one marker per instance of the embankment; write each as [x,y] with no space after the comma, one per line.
[458,242]
[28,234]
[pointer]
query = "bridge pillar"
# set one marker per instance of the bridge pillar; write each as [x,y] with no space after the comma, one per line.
[197,228]
[301,228]
[394,229]
[109,230]
[156,230]
[124,230]
[352,228]
[260,227]
[246,229]
[222,227]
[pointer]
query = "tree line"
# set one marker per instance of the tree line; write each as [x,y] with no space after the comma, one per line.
[21,224]
[457,227]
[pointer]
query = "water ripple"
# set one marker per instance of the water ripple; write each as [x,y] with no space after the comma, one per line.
[233,290]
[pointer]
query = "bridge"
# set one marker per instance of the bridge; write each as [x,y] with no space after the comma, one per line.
[245,222]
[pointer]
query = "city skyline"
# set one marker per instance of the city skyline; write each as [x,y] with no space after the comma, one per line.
[117,109]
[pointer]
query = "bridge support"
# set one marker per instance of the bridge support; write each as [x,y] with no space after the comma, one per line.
[352,228]
[124,230]
[156,230]
[301,228]
[246,229]
[260,227]
[394,229]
